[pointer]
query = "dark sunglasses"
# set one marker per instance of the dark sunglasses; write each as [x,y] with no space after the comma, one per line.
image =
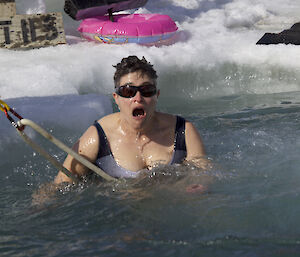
[129,91]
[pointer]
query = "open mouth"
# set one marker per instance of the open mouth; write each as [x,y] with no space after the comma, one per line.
[138,112]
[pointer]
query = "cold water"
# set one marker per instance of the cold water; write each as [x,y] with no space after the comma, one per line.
[243,98]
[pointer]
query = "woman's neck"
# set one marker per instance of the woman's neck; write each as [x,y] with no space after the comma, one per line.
[149,126]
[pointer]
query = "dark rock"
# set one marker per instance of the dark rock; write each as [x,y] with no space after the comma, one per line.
[289,36]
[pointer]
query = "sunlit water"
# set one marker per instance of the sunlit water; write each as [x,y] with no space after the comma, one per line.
[243,98]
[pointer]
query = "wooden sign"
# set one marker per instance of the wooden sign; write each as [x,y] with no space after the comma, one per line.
[30,31]
[7,8]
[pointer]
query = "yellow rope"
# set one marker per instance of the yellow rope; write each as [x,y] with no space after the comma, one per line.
[4,106]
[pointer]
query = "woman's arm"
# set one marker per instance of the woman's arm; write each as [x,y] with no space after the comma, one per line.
[195,147]
[87,146]
[194,144]
[196,155]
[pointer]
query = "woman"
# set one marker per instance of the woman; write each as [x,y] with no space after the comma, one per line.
[138,137]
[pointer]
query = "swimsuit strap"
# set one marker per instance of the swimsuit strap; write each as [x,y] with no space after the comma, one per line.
[179,153]
[104,148]
[180,134]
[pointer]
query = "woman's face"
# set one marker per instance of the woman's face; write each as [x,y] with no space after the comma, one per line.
[137,110]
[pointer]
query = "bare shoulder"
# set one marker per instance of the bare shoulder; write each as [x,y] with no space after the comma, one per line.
[194,144]
[88,144]
[190,128]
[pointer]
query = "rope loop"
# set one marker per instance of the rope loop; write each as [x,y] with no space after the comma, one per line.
[5,108]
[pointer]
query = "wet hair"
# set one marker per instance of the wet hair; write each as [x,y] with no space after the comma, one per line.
[132,64]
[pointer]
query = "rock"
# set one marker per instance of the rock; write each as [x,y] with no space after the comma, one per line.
[289,36]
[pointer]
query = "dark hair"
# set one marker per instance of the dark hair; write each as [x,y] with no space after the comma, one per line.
[133,64]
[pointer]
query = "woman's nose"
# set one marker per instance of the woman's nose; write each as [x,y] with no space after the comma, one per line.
[138,97]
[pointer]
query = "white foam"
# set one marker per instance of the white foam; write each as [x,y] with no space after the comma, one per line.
[238,14]
[213,34]
[189,4]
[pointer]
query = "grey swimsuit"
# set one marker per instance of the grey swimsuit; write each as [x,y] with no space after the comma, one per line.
[106,162]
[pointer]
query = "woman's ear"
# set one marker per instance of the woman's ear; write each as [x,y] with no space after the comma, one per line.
[116,98]
[158,93]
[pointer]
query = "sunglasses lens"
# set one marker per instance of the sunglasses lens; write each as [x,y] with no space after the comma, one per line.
[148,91]
[127,91]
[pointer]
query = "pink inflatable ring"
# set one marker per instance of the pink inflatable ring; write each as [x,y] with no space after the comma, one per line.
[144,29]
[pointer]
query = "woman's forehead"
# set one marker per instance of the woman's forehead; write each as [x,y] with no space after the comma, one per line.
[134,77]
